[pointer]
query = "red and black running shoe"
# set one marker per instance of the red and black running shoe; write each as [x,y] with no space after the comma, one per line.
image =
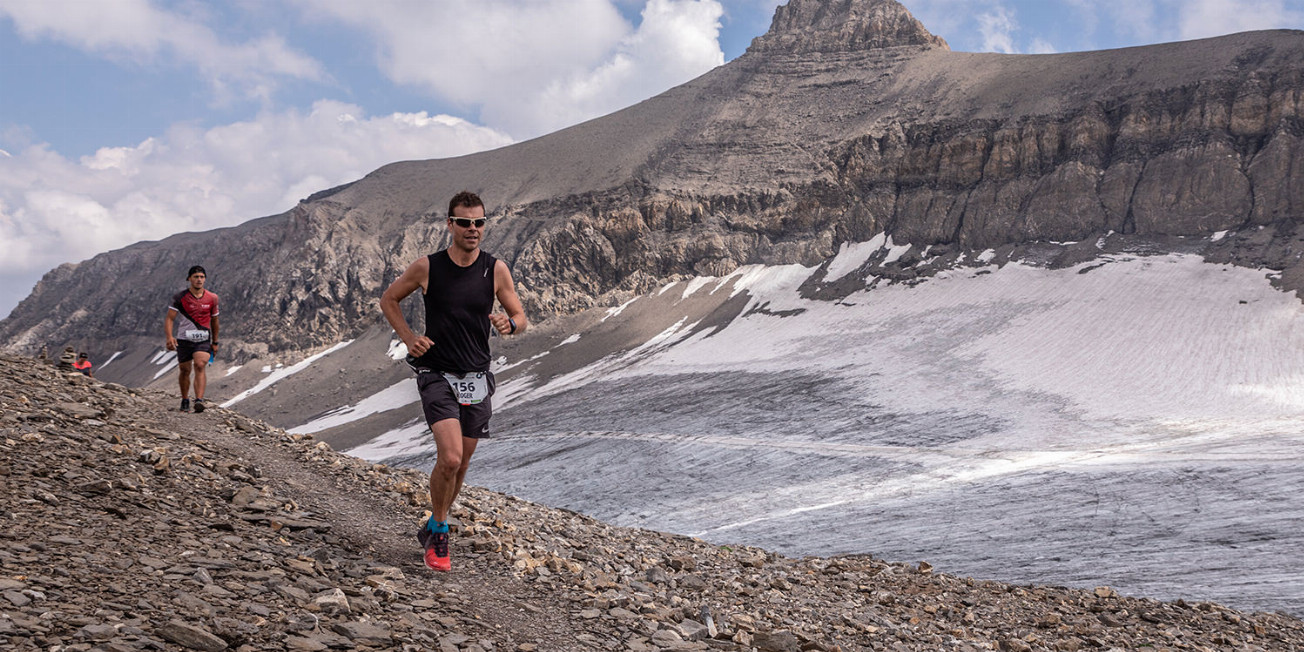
[436,545]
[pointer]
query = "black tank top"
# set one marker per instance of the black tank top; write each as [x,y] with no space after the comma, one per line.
[458,303]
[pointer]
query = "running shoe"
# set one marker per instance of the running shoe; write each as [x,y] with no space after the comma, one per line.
[185,405]
[199,405]
[436,545]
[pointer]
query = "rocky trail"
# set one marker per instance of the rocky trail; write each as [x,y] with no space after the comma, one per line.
[127,525]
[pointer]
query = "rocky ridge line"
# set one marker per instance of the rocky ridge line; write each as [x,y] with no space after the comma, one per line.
[778,157]
[805,26]
[128,526]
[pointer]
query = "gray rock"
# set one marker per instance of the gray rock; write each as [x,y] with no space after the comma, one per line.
[244,496]
[657,575]
[780,641]
[363,633]
[304,643]
[78,410]
[333,601]
[667,638]
[190,636]
[17,599]
[97,632]
[691,630]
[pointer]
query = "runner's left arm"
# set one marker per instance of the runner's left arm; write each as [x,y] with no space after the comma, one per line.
[514,321]
[213,330]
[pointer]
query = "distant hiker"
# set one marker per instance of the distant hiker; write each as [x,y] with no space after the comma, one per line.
[451,360]
[67,359]
[83,364]
[194,335]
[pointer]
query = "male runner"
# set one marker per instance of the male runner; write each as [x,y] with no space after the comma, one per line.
[194,335]
[459,285]
[83,364]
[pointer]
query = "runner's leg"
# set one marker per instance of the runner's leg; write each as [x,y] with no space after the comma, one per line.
[201,376]
[185,378]
[468,448]
[444,477]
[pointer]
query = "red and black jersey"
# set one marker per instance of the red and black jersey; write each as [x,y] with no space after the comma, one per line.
[195,315]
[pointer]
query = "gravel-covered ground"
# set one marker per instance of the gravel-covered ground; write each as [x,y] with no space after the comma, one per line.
[128,525]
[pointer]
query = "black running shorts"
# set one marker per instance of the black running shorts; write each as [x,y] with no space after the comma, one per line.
[186,349]
[439,403]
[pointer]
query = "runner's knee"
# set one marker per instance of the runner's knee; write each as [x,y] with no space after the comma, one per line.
[448,463]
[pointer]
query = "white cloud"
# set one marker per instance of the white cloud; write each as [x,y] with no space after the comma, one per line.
[534,67]
[1042,46]
[946,16]
[55,210]
[997,27]
[1204,18]
[1148,21]
[1130,19]
[138,31]
[675,42]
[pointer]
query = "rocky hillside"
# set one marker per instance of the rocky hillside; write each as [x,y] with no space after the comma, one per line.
[128,526]
[845,120]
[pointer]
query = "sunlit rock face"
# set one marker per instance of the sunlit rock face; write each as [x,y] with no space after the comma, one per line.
[846,120]
[804,26]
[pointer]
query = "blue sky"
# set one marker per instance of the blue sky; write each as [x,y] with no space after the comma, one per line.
[129,120]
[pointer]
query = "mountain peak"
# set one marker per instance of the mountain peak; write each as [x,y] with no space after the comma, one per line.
[803,26]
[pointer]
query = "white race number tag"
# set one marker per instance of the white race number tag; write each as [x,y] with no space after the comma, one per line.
[195,336]
[469,389]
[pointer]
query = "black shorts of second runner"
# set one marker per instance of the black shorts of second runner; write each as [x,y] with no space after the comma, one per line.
[439,403]
[186,349]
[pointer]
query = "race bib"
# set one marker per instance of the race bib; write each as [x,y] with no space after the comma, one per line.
[195,336]
[469,389]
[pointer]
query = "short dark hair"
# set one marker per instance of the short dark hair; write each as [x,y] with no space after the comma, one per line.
[82,354]
[465,198]
[196,268]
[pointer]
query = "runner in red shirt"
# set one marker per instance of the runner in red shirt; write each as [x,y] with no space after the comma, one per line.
[83,364]
[191,327]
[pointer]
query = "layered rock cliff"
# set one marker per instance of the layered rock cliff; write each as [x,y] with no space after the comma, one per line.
[845,120]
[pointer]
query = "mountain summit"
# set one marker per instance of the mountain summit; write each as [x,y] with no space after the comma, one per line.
[846,121]
[805,26]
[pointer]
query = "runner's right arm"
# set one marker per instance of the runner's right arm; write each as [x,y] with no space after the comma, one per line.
[414,277]
[169,325]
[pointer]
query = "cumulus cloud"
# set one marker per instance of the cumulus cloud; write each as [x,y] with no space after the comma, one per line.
[997,27]
[54,209]
[950,17]
[138,31]
[1013,26]
[975,25]
[1204,18]
[1042,46]
[532,67]
[1129,19]
[1146,21]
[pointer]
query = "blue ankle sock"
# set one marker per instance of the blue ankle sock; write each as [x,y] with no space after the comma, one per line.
[436,526]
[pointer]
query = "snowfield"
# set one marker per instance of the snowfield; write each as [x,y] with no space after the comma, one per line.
[1132,422]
